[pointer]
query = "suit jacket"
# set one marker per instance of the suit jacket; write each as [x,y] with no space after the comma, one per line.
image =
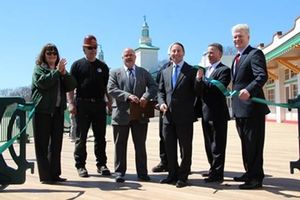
[118,88]
[251,74]
[214,106]
[180,100]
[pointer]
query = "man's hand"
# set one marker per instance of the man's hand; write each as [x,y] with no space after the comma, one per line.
[134,99]
[72,108]
[200,74]
[143,102]
[244,94]
[163,108]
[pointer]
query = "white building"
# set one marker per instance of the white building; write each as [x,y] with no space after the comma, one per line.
[146,53]
[283,64]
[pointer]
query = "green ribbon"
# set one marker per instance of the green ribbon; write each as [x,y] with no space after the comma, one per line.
[229,93]
[24,107]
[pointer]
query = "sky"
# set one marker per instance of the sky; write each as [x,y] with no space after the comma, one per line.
[26,26]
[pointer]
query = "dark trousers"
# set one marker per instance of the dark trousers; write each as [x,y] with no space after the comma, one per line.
[90,114]
[215,136]
[162,149]
[183,133]
[139,135]
[48,137]
[252,135]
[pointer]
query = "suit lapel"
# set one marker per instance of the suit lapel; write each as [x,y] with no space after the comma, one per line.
[212,75]
[125,79]
[242,59]
[168,73]
[181,74]
[137,77]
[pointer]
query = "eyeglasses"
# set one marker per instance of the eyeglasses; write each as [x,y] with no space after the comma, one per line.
[91,48]
[51,53]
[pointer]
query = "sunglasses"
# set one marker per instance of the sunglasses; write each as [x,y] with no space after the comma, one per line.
[91,48]
[51,53]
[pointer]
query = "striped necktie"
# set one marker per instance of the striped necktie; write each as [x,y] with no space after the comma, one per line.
[131,79]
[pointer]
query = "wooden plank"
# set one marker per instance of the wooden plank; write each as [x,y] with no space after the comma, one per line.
[281,147]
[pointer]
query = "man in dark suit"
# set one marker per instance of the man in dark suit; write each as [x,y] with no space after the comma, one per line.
[163,164]
[176,97]
[130,84]
[215,112]
[249,74]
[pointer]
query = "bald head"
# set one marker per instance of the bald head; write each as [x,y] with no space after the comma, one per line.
[128,57]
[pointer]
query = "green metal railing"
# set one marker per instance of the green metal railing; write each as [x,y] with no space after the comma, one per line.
[4,125]
[13,111]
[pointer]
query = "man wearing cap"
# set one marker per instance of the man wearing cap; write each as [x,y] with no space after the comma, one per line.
[89,106]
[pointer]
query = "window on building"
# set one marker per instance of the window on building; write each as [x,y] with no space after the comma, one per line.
[270,81]
[286,74]
[287,93]
[294,90]
[293,74]
[271,95]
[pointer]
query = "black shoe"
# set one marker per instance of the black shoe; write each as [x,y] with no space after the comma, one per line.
[48,182]
[181,184]
[249,185]
[119,179]
[59,179]
[144,178]
[160,168]
[212,179]
[82,172]
[243,178]
[168,180]
[103,170]
[205,175]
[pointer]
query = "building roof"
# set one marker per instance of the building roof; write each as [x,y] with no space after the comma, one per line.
[283,43]
[145,46]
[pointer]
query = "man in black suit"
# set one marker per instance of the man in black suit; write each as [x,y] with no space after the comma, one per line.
[176,98]
[249,74]
[215,112]
[163,164]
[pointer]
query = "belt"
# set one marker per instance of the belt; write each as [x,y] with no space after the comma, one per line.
[93,100]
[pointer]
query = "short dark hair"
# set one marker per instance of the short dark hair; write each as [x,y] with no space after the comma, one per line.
[218,46]
[176,43]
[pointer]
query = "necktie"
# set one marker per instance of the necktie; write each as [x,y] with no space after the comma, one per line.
[236,62]
[131,79]
[237,59]
[174,75]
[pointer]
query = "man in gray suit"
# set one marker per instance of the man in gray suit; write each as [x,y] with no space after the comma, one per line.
[130,84]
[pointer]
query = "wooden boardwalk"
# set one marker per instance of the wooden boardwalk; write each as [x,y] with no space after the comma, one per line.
[281,147]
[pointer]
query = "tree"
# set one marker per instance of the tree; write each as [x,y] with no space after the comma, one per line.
[24,92]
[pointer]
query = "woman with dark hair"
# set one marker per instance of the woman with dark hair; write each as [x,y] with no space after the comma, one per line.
[50,82]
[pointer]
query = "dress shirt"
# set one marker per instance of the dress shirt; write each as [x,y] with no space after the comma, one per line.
[210,68]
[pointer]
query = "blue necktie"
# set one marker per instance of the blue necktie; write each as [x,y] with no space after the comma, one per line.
[175,75]
[131,79]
